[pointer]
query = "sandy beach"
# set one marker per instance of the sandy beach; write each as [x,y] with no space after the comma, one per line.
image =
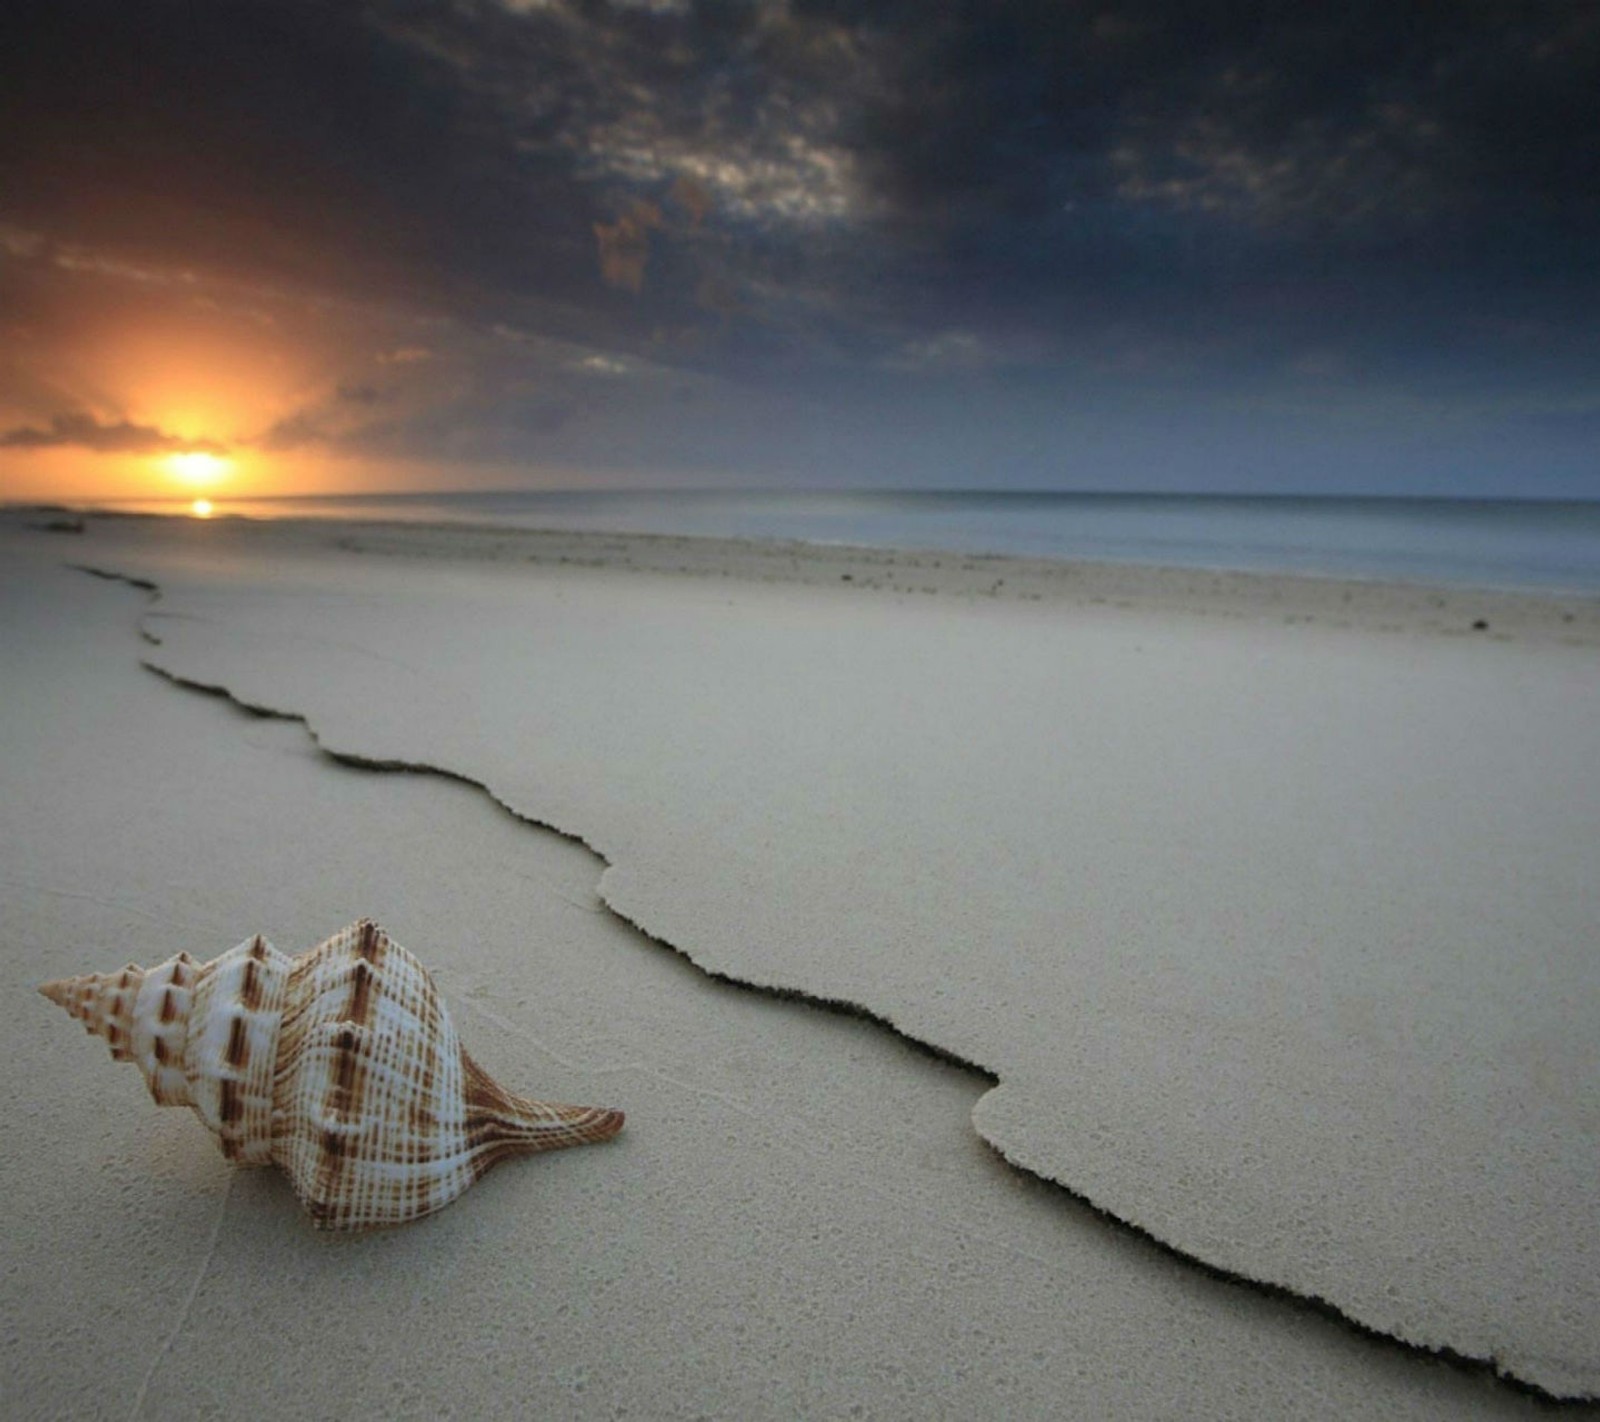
[1035,990]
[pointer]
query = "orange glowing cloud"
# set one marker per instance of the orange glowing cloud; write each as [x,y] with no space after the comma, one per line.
[83,431]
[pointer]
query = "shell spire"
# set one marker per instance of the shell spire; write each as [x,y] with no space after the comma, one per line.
[341,1066]
[142,1015]
[103,1002]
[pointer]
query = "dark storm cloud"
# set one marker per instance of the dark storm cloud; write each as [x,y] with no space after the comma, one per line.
[507,148]
[1162,163]
[846,197]
[1262,112]
[78,431]
[458,157]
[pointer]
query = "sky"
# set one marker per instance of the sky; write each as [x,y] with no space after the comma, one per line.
[359,245]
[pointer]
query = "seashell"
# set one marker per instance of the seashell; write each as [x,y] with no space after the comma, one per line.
[341,1066]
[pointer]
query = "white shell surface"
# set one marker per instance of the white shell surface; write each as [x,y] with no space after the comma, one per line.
[341,1065]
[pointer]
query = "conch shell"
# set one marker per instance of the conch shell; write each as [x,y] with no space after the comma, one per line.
[341,1066]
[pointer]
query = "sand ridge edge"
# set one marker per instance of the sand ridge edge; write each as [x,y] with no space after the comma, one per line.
[1538,1381]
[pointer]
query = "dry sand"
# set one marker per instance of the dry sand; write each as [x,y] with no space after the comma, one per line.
[1269,904]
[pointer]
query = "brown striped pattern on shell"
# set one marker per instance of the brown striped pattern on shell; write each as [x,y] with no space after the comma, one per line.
[341,1066]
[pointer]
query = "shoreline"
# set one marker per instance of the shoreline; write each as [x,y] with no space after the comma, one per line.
[1570,617]
[1353,540]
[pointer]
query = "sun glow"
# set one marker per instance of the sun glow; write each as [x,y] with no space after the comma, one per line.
[197,467]
[201,508]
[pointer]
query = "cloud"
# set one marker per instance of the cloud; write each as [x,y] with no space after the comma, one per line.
[693,198]
[862,177]
[948,350]
[79,431]
[296,431]
[19,242]
[625,245]
[467,426]
[1385,165]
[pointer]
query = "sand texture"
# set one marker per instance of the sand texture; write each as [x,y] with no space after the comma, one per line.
[1267,917]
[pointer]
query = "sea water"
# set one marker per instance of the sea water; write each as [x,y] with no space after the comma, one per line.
[1504,543]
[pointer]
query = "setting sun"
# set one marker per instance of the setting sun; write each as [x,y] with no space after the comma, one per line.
[201,508]
[197,467]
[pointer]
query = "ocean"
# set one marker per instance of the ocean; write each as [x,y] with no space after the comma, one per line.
[1502,543]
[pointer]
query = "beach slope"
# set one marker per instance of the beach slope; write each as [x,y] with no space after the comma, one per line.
[1266,916]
